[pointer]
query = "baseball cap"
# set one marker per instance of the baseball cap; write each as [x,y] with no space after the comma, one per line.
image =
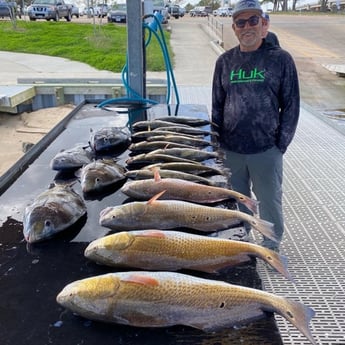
[266,16]
[246,5]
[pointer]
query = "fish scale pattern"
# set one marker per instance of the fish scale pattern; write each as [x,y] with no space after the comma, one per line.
[314,211]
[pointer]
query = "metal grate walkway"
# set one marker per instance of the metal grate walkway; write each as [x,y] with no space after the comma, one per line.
[314,242]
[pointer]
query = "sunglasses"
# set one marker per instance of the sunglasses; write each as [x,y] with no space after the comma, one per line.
[252,21]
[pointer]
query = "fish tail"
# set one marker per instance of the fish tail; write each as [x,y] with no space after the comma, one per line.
[264,227]
[251,204]
[299,315]
[277,261]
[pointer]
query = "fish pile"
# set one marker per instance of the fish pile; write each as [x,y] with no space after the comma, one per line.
[59,207]
[175,182]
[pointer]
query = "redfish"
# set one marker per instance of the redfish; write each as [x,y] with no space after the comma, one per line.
[170,214]
[175,250]
[178,189]
[163,299]
[52,211]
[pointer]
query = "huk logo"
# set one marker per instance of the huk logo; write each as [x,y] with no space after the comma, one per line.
[242,76]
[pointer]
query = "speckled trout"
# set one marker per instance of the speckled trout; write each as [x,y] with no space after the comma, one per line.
[162,299]
[174,250]
[171,214]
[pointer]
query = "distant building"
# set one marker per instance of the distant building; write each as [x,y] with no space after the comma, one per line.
[315,6]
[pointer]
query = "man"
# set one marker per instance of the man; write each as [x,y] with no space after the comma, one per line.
[255,103]
[269,36]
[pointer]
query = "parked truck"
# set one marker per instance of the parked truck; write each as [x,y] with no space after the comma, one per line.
[9,9]
[50,10]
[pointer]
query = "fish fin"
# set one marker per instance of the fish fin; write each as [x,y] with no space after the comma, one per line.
[156,174]
[155,197]
[152,233]
[250,203]
[266,228]
[277,261]
[137,278]
[299,315]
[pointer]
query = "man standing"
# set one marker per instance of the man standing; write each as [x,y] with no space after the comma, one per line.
[269,36]
[255,103]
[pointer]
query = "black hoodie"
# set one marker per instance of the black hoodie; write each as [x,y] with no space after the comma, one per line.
[255,99]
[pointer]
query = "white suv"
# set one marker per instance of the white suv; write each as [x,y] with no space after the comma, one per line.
[224,11]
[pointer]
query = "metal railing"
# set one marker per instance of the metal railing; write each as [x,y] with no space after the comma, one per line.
[217,28]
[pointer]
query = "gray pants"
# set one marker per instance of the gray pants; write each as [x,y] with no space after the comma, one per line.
[263,174]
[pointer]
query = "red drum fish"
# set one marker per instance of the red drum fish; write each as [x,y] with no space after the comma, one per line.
[174,250]
[163,299]
[170,214]
[178,189]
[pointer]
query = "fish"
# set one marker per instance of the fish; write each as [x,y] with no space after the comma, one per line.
[145,135]
[187,130]
[143,174]
[148,158]
[187,153]
[172,214]
[148,146]
[191,168]
[190,121]
[177,189]
[164,299]
[73,158]
[147,125]
[175,250]
[100,174]
[181,139]
[110,138]
[52,211]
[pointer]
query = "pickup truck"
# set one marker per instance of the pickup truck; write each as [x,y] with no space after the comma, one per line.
[50,9]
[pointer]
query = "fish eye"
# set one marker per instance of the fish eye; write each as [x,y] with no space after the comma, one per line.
[47,223]
[222,305]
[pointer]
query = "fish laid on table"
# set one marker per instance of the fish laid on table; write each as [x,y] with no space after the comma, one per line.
[193,154]
[148,158]
[143,174]
[191,168]
[177,189]
[174,250]
[171,214]
[51,212]
[153,124]
[148,146]
[181,139]
[190,121]
[145,135]
[96,176]
[72,158]
[110,138]
[163,299]
[187,130]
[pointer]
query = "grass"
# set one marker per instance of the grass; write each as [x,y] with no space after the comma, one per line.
[101,46]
